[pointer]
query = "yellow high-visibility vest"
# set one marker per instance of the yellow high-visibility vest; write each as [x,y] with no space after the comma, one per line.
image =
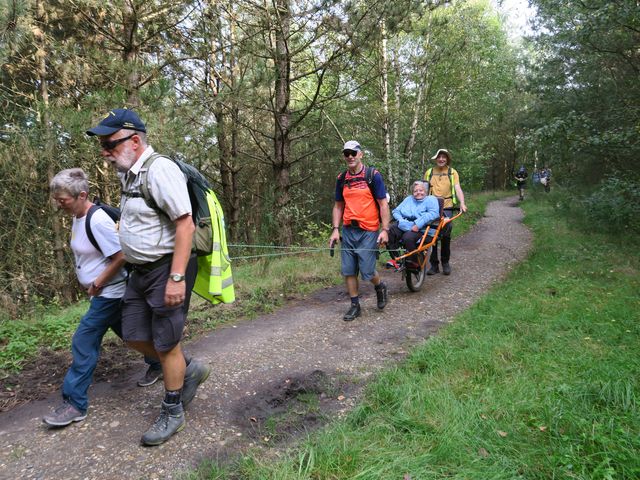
[214,281]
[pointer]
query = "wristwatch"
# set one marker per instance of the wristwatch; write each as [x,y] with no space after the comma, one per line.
[176,277]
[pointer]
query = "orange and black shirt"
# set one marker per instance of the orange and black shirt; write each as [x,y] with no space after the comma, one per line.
[359,202]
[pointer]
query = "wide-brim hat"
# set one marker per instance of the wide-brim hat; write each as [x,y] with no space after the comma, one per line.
[117,119]
[445,151]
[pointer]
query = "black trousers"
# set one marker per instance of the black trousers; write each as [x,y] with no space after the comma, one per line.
[410,240]
[444,239]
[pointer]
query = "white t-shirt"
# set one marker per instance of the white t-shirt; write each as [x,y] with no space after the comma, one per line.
[90,262]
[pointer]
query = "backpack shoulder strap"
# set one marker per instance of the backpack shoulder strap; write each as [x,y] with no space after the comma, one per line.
[428,174]
[144,182]
[368,175]
[87,226]
[341,178]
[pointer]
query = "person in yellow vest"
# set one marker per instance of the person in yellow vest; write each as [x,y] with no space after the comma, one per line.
[444,182]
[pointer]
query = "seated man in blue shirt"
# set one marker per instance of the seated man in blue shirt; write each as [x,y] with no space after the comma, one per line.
[412,217]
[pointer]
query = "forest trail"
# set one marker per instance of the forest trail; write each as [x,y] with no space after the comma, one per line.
[258,368]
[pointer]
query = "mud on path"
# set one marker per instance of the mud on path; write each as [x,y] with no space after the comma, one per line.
[303,364]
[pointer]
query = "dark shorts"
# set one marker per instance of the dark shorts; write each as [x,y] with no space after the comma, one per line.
[358,252]
[145,318]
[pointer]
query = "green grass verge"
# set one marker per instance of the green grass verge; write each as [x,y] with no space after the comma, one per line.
[538,380]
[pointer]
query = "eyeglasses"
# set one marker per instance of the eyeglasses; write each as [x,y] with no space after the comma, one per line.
[350,153]
[64,200]
[111,144]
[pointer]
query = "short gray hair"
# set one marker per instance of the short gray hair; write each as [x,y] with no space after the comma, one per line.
[424,185]
[72,181]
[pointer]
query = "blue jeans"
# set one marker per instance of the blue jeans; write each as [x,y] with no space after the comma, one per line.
[103,313]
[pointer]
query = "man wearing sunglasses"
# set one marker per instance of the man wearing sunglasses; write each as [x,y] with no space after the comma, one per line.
[156,241]
[361,205]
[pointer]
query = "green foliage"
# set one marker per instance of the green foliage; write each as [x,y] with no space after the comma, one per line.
[48,327]
[615,203]
[583,73]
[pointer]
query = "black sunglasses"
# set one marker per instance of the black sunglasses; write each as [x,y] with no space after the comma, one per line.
[350,153]
[111,144]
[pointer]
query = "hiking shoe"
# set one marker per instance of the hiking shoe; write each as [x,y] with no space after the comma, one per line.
[446,269]
[64,415]
[352,313]
[394,264]
[381,295]
[170,421]
[195,374]
[433,270]
[152,376]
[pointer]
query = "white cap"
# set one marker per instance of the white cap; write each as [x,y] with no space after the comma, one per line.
[352,145]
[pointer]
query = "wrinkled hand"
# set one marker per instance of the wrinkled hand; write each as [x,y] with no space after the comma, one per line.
[93,291]
[383,238]
[463,207]
[174,293]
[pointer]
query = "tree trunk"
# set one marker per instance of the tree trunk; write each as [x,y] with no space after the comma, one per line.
[401,177]
[58,238]
[130,54]
[282,121]
[384,69]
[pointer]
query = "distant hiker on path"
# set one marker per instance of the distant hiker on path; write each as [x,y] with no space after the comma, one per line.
[444,182]
[157,242]
[361,205]
[101,273]
[521,180]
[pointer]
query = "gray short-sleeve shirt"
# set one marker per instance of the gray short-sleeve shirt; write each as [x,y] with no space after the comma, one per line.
[145,234]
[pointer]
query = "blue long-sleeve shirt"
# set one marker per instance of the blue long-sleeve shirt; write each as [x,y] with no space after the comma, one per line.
[416,212]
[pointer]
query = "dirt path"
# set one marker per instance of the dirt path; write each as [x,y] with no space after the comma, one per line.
[259,368]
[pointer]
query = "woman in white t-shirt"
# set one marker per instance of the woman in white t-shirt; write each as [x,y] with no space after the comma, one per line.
[101,272]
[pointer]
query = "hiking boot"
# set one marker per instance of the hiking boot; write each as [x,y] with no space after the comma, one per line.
[433,270]
[352,313]
[152,376]
[170,421]
[195,374]
[446,269]
[381,295]
[64,415]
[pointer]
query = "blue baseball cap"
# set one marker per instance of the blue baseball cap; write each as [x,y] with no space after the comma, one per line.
[117,119]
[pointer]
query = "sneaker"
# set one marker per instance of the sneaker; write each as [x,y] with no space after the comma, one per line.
[64,415]
[352,313]
[446,269]
[433,270]
[381,295]
[152,376]
[170,421]
[194,376]
[393,264]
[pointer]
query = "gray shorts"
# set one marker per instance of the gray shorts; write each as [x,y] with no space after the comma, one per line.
[145,318]
[358,252]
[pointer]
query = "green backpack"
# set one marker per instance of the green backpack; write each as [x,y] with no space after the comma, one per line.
[199,189]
